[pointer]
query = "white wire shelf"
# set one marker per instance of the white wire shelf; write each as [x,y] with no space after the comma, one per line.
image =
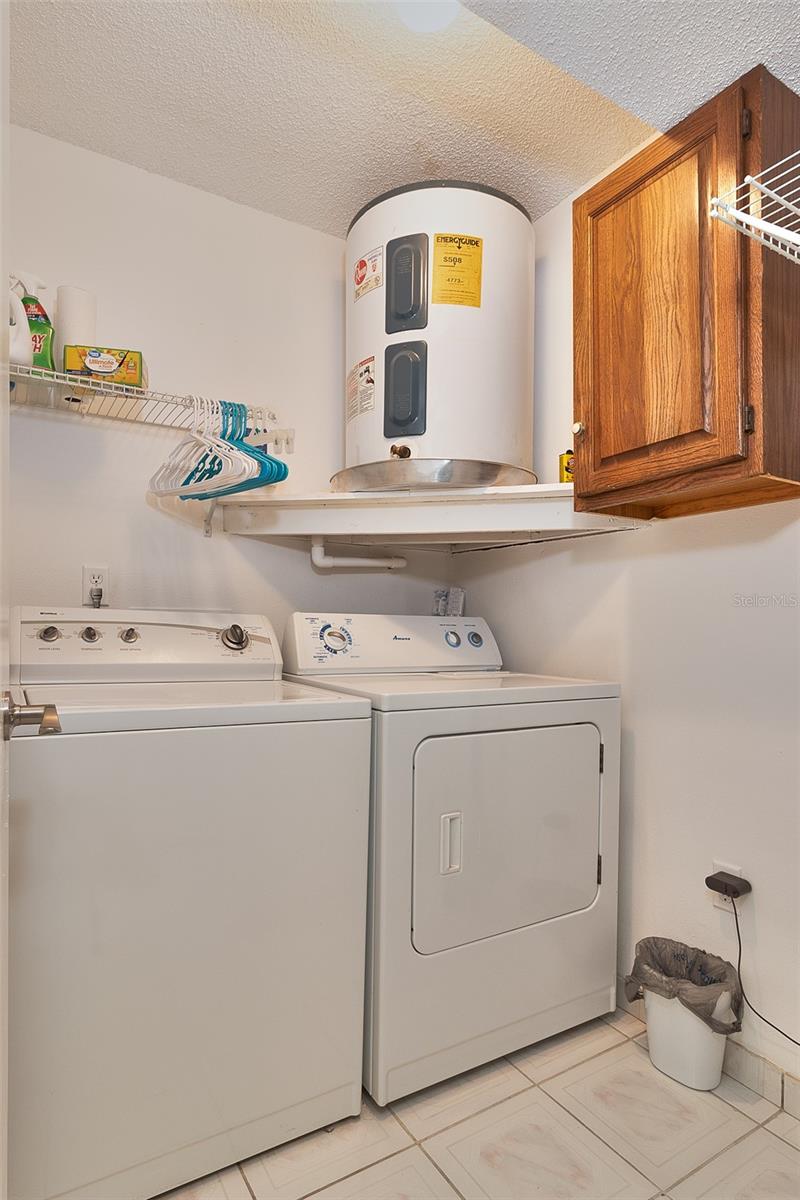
[766,207]
[35,387]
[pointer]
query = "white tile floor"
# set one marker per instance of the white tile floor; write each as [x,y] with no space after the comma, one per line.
[583,1115]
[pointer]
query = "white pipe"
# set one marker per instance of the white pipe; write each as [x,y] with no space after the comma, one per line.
[328,562]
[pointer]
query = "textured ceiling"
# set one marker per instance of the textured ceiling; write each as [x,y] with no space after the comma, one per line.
[659,59]
[308,109]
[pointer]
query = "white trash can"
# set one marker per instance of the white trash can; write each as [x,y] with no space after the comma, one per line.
[692,1001]
[681,1045]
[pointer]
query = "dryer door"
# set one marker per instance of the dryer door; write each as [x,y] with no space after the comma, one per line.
[506,831]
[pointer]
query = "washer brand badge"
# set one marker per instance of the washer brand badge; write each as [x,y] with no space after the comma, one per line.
[401,637]
[457,267]
[368,273]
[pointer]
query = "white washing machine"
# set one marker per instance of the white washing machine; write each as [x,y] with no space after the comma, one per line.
[492,909]
[188,894]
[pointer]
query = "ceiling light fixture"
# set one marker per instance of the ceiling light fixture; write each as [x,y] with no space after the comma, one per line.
[426,16]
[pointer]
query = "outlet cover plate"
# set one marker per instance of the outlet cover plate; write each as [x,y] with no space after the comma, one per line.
[102,576]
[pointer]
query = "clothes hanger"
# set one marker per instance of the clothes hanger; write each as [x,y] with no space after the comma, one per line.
[268,469]
[182,457]
[221,458]
[205,454]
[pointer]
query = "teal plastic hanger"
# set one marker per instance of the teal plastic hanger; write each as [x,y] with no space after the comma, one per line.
[234,428]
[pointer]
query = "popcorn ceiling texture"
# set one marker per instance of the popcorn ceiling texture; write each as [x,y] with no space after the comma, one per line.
[660,59]
[308,110]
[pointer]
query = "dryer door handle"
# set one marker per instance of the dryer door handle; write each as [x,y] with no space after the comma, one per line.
[451,843]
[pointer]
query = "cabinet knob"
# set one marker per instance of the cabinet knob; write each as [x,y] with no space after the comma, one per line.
[578,428]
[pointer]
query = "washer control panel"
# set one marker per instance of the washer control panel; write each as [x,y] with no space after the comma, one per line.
[373,644]
[76,645]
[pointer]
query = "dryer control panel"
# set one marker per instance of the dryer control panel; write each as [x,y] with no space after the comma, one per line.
[373,644]
[105,645]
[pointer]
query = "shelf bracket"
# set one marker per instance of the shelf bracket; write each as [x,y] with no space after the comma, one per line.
[208,526]
[329,562]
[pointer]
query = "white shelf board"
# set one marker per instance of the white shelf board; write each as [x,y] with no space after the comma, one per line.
[461,518]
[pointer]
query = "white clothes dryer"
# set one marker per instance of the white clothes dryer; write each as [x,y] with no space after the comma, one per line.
[492,916]
[188,895]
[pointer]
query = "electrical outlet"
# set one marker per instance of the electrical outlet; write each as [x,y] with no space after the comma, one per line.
[96,577]
[721,901]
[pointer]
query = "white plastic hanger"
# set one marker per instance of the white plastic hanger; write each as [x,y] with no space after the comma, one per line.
[195,454]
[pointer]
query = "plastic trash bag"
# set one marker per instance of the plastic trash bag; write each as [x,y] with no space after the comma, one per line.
[705,984]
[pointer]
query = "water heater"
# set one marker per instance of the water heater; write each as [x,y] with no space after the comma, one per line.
[439,386]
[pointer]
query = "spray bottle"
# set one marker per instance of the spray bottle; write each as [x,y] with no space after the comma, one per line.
[40,325]
[20,347]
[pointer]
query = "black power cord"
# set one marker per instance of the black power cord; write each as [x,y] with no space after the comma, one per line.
[752,1008]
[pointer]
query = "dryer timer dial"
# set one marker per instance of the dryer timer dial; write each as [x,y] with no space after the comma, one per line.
[335,639]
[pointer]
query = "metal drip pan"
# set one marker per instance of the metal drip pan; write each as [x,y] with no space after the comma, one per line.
[407,474]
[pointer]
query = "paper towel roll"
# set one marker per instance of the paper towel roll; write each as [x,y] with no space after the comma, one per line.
[75,320]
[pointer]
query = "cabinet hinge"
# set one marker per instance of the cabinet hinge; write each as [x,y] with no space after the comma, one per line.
[602,757]
[749,419]
[747,122]
[599,868]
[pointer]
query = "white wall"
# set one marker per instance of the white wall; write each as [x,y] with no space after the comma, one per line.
[711,690]
[711,687]
[224,300]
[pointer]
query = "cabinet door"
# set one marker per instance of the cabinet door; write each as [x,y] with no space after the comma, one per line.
[658,299]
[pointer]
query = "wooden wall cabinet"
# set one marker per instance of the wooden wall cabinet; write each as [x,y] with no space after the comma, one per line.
[687,334]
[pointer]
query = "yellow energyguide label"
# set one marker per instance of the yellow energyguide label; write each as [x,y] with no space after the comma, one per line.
[457,263]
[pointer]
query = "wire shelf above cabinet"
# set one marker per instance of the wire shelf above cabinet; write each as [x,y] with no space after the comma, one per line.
[766,207]
[34,387]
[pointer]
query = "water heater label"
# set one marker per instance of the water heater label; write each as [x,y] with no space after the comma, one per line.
[368,273]
[457,263]
[360,389]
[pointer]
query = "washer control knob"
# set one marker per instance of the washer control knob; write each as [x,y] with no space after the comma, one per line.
[90,634]
[475,638]
[452,638]
[50,633]
[130,635]
[235,638]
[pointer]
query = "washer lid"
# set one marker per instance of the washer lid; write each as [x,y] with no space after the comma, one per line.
[462,689]
[107,707]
